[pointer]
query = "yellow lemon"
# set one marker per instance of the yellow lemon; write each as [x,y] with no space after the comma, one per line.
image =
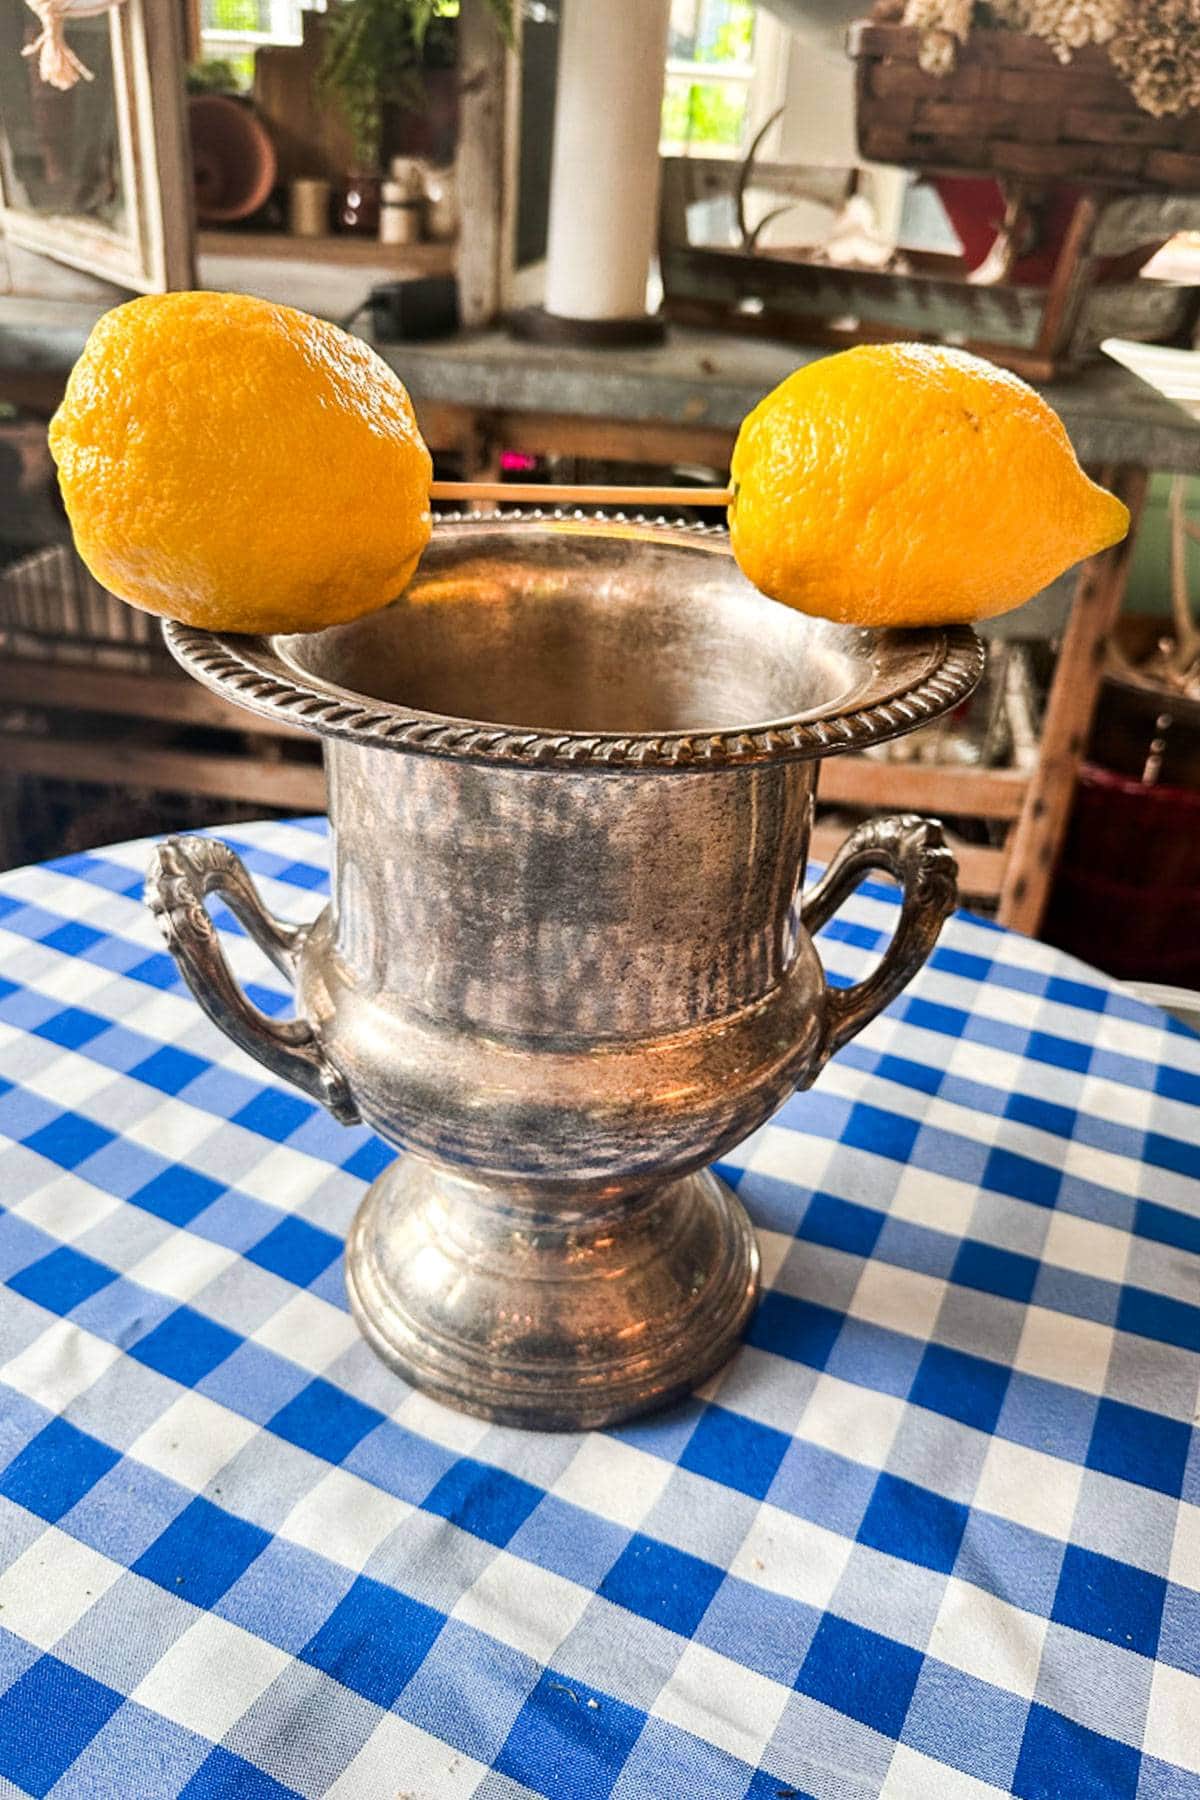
[903,484]
[240,465]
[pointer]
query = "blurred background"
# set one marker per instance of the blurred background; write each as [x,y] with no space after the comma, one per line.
[590,238]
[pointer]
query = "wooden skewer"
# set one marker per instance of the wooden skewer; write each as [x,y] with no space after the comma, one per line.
[469,493]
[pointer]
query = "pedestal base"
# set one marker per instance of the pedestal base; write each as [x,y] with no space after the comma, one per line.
[557,1323]
[535,325]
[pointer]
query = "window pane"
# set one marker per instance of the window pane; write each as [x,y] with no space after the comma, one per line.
[681,38]
[235,15]
[61,151]
[725,31]
[280,21]
[703,118]
[703,114]
[711,30]
[674,134]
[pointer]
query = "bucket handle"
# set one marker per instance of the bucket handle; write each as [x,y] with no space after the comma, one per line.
[914,851]
[182,872]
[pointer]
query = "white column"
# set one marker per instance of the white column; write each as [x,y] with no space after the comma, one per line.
[604,175]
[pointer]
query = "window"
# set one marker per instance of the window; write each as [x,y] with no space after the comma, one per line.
[232,30]
[710,75]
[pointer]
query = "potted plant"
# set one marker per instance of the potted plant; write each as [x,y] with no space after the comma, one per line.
[378,61]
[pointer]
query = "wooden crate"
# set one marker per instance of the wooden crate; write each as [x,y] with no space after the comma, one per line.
[1009,107]
[51,606]
[1040,332]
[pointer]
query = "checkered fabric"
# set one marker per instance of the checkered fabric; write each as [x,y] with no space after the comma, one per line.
[934,1532]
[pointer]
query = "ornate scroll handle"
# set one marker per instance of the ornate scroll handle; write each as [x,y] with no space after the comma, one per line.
[183,870]
[914,851]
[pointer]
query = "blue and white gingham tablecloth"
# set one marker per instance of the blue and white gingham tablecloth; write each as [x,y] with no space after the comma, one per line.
[934,1533]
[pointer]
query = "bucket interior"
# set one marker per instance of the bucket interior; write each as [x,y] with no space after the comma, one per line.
[586,628]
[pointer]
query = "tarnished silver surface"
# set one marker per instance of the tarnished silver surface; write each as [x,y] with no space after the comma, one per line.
[564,1324]
[626,646]
[566,979]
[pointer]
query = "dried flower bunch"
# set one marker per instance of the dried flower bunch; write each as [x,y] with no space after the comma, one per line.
[1157,50]
[1154,44]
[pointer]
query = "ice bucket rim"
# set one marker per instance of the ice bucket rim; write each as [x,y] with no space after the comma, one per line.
[250,671]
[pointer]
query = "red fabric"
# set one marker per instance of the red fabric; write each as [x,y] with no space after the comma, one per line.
[975,207]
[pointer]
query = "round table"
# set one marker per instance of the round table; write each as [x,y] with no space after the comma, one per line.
[933,1533]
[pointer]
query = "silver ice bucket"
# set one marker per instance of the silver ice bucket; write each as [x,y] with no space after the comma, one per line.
[566,962]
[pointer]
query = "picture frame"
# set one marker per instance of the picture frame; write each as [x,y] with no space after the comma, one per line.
[99,177]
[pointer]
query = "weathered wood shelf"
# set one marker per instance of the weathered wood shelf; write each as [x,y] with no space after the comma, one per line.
[80,688]
[353,252]
[167,771]
[264,772]
[923,787]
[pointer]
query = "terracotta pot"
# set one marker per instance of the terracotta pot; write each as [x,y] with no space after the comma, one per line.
[233,158]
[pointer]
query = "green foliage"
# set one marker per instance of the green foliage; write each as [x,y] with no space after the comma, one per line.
[675,112]
[709,116]
[734,39]
[712,31]
[704,115]
[220,75]
[374,51]
[233,15]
